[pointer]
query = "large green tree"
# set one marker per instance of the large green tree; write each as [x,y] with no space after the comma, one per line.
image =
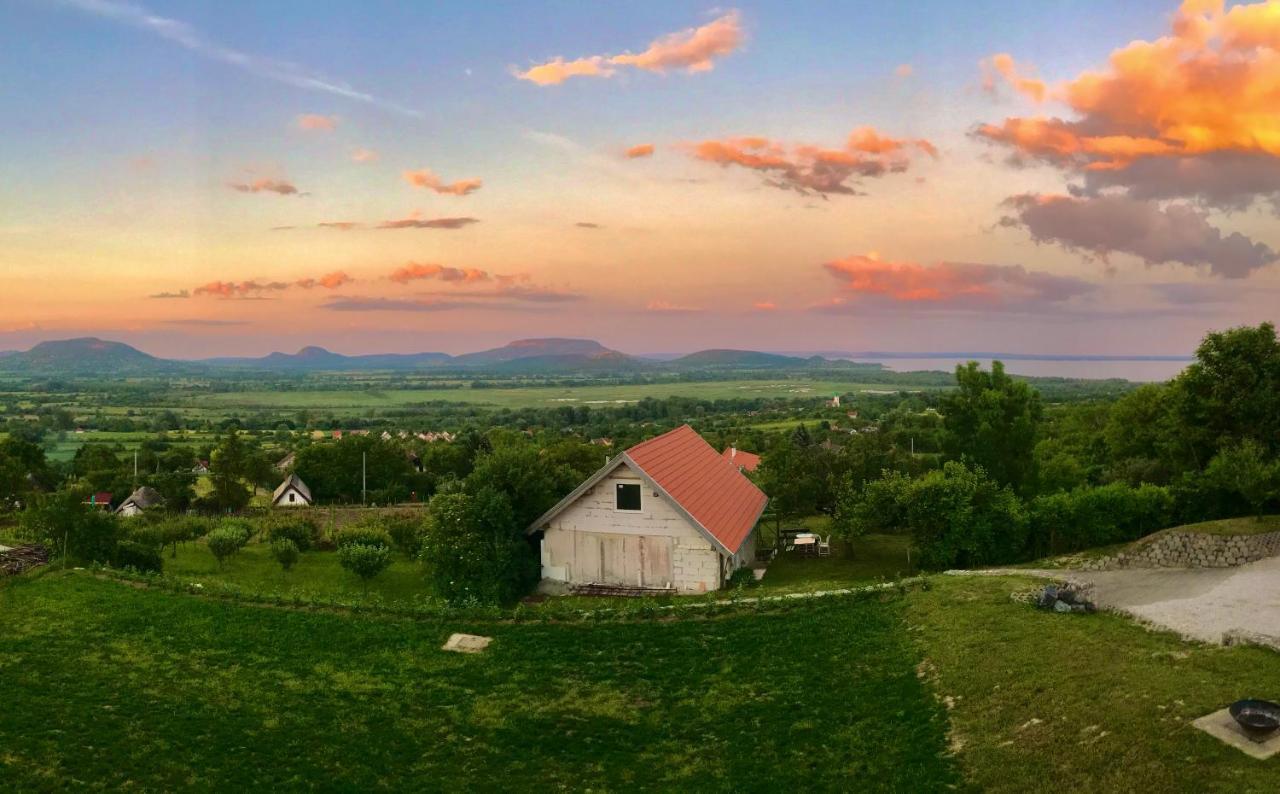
[992,420]
[1232,391]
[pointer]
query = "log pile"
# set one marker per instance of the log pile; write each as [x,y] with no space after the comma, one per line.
[22,558]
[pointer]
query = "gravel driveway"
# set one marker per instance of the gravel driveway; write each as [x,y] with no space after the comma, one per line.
[1200,603]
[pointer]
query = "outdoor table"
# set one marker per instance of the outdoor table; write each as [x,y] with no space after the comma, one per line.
[806,543]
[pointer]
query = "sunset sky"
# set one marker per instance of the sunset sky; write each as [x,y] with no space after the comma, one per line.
[202,178]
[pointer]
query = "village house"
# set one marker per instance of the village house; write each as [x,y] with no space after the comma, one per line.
[139,501]
[285,463]
[745,461]
[668,513]
[100,500]
[293,492]
[201,467]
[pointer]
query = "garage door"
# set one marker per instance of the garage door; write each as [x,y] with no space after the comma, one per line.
[638,560]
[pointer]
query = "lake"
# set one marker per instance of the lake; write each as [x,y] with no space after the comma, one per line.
[1141,370]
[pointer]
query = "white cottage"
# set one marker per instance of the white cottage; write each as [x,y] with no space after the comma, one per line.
[293,492]
[667,513]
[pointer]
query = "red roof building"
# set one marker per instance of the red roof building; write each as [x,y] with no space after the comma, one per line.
[668,513]
[745,461]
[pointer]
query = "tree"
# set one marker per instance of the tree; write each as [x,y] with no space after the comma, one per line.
[225,541]
[1245,469]
[992,420]
[787,473]
[1232,391]
[227,468]
[334,470]
[364,560]
[529,485]
[286,552]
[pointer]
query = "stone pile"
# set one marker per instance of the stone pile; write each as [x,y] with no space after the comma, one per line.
[1066,598]
[1192,550]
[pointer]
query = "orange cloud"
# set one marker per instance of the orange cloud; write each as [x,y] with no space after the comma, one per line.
[640,150]
[242,289]
[415,221]
[312,121]
[951,284]
[694,50]
[415,271]
[364,155]
[328,281]
[278,186]
[424,178]
[812,169]
[764,306]
[342,226]
[1195,113]
[1002,65]
[904,70]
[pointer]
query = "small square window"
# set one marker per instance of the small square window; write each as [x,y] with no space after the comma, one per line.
[628,497]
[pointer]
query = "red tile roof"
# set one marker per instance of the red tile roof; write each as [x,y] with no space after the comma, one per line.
[712,491]
[747,461]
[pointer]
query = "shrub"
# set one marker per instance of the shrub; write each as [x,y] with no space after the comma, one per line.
[1101,516]
[303,532]
[68,526]
[285,551]
[151,535]
[406,533]
[475,550]
[364,560]
[364,534]
[742,577]
[142,557]
[239,526]
[225,541]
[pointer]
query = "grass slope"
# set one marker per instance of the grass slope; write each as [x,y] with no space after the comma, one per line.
[121,688]
[1086,702]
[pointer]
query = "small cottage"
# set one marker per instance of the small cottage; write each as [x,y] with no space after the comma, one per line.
[286,463]
[139,501]
[667,513]
[293,492]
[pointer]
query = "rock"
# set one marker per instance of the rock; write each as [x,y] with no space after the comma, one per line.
[1061,606]
[1048,597]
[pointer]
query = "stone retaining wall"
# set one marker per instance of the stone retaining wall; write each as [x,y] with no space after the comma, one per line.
[1191,550]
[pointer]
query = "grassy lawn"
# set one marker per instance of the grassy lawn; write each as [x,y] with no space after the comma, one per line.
[868,559]
[1084,702]
[116,687]
[349,401]
[316,574]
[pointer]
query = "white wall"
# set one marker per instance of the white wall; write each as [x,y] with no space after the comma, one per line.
[695,562]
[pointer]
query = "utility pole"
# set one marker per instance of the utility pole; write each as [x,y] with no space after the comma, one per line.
[135,469]
[364,478]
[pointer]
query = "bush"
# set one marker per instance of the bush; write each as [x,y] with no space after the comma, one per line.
[303,532]
[1090,517]
[64,524]
[364,560]
[286,552]
[365,534]
[475,549]
[151,535]
[406,532]
[226,541]
[142,557]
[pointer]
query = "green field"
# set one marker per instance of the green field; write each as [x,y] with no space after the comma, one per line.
[350,401]
[123,688]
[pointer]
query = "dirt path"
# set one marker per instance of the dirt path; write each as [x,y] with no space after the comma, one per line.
[1200,603]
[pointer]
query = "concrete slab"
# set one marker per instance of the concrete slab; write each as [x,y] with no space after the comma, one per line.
[1222,727]
[467,643]
[1203,604]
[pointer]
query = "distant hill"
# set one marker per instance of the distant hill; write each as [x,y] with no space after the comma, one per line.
[535,348]
[317,359]
[737,359]
[84,356]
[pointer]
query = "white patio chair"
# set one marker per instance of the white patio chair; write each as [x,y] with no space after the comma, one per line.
[824,546]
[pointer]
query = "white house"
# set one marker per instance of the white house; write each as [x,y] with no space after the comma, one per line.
[293,492]
[667,513]
[142,499]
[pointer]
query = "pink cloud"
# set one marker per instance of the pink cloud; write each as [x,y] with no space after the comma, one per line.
[364,155]
[667,307]
[764,306]
[951,284]
[694,50]
[640,150]
[313,122]
[424,178]
[415,271]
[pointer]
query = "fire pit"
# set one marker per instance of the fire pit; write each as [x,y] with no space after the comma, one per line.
[1258,718]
